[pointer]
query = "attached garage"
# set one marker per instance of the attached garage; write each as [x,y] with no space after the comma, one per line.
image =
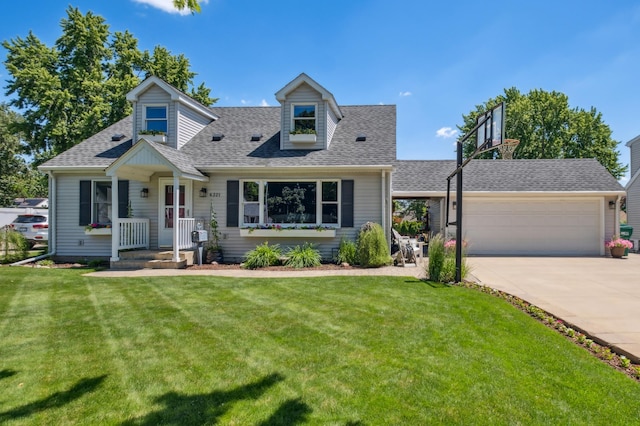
[564,207]
[533,226]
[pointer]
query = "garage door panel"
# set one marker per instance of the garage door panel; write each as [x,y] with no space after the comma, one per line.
[535,227]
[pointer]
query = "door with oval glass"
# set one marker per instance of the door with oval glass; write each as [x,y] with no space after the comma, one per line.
[166,208]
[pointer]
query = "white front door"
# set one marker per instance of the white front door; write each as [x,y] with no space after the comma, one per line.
[166,208]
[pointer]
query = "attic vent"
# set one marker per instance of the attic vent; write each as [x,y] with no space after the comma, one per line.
[117,137]
[217,137]
[361,137]
[256,137]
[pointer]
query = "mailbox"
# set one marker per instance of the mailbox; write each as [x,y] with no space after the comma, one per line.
[199,236]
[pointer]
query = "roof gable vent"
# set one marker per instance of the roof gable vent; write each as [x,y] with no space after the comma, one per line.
[117,137]
[361,137]
[217,137]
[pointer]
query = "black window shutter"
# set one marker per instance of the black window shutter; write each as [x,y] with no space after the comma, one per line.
[123,197]
[233,201]
[347,204]
[85,203]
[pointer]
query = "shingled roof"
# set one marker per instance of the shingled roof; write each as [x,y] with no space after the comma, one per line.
[551,175]
[238,124]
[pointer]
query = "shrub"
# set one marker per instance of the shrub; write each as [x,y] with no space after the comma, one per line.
[372,248]
[14,245]
[436,258]
[305,256]
[442,260]
[262,256]
[346,252]
[408,227]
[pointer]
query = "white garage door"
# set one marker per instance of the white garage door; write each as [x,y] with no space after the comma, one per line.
[533,227]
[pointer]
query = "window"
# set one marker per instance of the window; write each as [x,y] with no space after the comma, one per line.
[156,118]
[101,211]
[304,119]
[290,202]
[97,204]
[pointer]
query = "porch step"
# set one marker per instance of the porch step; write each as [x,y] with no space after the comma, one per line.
[150,259]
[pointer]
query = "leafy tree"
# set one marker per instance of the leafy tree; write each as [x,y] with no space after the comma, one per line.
[548,128]
[192,5]
[70,91]
[16,178]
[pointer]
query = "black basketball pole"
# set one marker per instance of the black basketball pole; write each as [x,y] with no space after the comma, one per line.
[459,215]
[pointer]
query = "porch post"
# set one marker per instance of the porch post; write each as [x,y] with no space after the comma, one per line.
[176,216]
[115,220]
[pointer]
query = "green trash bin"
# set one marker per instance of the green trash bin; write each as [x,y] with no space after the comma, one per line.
[626,232]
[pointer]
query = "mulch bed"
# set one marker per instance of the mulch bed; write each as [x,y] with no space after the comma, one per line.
[231,266]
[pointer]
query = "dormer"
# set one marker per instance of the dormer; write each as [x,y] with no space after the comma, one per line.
[310,115]
[634,146]
[162,113]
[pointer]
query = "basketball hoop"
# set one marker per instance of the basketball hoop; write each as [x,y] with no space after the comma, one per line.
[507,147]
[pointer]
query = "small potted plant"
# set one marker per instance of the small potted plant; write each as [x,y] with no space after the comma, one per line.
[302,135]
[618,246]
[214,251]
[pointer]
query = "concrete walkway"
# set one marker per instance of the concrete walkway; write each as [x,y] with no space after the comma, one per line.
[599,295]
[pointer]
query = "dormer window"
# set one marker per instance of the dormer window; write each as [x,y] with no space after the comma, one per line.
[304,119]
[156,118]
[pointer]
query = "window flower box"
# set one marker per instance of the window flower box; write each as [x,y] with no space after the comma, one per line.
[288,233]
[153,137]
[97,229]
[302,138]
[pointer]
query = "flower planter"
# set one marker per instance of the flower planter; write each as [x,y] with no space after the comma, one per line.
[98,231]
[302,138]
[289,233]
[617,252]
[155,138]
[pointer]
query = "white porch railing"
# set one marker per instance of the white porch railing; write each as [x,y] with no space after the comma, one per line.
[134,233]
[185,226]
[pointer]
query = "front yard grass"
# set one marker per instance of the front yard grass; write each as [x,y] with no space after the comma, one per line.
[334,350]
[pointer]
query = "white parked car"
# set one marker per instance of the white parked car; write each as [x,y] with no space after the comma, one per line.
[34,227]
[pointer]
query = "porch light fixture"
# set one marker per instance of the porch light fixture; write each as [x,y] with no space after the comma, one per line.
[203,192]
[453,205]
[612,205]
[144,193]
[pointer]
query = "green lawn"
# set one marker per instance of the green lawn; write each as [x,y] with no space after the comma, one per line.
[334,350]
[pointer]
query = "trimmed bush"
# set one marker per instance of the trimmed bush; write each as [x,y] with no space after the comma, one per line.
[262,256]
[14,246]
[436,258]
[372,248]
[304,256]
[346,252]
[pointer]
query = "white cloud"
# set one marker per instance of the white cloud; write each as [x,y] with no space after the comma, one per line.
[407,93]
[446,132]
[264,103]
[167,5]
[244,102]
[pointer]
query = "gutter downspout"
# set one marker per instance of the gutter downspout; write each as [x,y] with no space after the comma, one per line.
[384,206]
[51,243]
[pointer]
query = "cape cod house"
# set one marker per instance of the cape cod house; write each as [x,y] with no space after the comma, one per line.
[310,170]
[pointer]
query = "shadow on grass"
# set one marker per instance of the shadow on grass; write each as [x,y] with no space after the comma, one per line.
[291,412]
[56,400]
[180,409]
[434,284]
[7,373]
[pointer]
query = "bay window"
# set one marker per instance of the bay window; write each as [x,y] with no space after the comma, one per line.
[308,202]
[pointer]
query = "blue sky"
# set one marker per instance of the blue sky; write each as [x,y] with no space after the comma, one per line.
[434,60]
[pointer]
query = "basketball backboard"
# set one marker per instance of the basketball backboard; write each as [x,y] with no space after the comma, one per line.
[491,134]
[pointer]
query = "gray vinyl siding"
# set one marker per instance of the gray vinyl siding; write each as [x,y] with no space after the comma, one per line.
[71,241]
[367,207]
[634,166]
[304,94]
[434,215]
[633,208]
[332,123]
[190,123]
[156,96]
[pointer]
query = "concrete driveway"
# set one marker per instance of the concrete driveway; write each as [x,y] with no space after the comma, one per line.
[599,295]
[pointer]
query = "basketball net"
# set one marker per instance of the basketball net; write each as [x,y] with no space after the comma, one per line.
[507,147]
